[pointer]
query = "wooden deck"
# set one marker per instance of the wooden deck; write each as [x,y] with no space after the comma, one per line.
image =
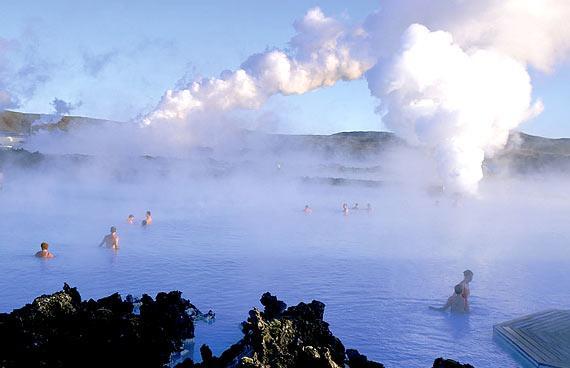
[542,338]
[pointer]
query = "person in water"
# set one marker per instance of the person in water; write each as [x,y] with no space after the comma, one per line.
[147,219]
[345,209]
[131,219]
[456,303]
[44,253]
[111,240]
[307,209]
[369,207]
[355,207]
[467,278]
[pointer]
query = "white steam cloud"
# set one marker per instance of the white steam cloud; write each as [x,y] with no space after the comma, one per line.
[460,92]
[321,54]
[535,32]
[456,83]
[22,70]
[62,107]
[460,104]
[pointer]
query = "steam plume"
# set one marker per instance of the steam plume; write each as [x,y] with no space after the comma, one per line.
[321,54]
[63,107]
[462,105]
[460,92]
[535,32]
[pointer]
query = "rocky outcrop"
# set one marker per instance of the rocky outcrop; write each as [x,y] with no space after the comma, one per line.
[448,363]
[281,337]
[61,330]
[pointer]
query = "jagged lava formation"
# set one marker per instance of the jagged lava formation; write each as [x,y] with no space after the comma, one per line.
[61,330]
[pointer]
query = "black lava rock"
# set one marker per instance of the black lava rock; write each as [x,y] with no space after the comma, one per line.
[357,360]
[60,330]
[448,363]
[283,338]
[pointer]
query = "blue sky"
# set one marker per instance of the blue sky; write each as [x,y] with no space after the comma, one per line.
[117,58]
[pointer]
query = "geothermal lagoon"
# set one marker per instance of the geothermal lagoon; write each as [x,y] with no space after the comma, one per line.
[225,239]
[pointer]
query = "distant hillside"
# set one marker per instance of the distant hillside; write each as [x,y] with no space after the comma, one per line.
[23,123]
[523,153]
[527,142]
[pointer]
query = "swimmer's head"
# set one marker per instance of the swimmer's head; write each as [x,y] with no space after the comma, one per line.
[131,216]
[468,274]
[113,229]
[458,289]
[148,213]
[44,246]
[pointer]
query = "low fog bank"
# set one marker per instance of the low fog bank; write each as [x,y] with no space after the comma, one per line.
[264,181]
[109,158]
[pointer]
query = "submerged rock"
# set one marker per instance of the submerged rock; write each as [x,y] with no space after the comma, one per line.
[357,360]
[60,330]
[448,363]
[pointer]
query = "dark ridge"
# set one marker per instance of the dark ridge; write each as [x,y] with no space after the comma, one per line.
[21,123]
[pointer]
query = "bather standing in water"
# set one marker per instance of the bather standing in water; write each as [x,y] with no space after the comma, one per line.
[131,219]
[456,303]
[467,278]
[307,209]
[147,219]
[345,209]
[44,253]
[111,240]
[368,208]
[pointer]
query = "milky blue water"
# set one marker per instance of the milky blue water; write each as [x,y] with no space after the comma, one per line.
[376,272]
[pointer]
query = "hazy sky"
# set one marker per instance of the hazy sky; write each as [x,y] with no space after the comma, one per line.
[114,59]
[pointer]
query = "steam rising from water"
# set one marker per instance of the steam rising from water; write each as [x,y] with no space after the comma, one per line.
[460,104]
[458,92]
[456,83]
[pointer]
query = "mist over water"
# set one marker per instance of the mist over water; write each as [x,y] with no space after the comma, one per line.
[229,226]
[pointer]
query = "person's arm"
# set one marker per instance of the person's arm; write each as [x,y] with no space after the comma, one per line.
[444,308]
[116,242]
[102,241]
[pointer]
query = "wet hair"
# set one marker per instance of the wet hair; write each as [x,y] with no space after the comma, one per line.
[113,229]
[468,273]
[44,246]
[458,289]
[148,213]
[131,216]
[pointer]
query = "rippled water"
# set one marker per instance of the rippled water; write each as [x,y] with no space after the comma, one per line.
[377,273]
